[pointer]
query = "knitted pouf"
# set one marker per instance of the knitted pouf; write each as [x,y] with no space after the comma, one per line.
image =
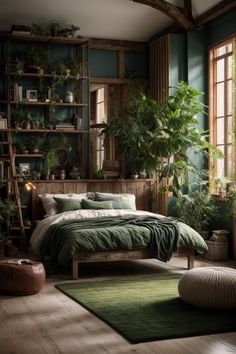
[21,277]
[209,287]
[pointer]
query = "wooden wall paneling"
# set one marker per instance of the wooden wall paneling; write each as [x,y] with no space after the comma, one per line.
[143,189]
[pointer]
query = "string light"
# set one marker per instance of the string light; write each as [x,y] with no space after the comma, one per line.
[29,186]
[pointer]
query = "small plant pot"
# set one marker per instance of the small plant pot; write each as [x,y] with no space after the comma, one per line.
[134,176]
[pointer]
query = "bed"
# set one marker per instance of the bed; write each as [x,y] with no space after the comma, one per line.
[77,229]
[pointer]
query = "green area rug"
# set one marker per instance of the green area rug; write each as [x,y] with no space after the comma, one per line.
[147,308]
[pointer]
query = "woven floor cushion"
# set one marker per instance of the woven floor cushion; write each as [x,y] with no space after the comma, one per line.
[21,277]
[209,288]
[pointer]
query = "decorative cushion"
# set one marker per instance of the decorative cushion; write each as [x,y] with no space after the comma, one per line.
[67,204]
[209,287]
[119,201]
[50,205]
[91,204]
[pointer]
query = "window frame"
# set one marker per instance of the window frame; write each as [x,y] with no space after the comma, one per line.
[212,96]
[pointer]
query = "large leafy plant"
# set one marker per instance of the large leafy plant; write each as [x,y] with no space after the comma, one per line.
[160,137]
[197,209]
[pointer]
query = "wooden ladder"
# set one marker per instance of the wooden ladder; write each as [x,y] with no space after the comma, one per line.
[14,193]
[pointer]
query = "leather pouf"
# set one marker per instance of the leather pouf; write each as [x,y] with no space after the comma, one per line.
[21,277]
[209,288]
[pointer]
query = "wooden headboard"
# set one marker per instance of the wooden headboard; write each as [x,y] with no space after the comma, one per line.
[143,189]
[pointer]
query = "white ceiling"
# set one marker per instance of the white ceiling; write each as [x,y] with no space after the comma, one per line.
[112,19]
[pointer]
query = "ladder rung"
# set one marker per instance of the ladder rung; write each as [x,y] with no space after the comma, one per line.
[4,142]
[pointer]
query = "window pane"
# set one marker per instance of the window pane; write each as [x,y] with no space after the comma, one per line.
[229,67]
[229,135]
[229,47]
[220,70]
[220,165]
[220,99]
[100,113]
[100,96]
[221,50]
[229,97]
[220,131]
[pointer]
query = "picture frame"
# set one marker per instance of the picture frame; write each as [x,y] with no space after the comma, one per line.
[24,169]
[32,95]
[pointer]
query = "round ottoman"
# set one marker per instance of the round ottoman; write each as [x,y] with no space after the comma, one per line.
[209,287]
[21,277]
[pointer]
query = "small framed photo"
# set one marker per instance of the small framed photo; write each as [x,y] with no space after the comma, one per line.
[24,169]
[32,95]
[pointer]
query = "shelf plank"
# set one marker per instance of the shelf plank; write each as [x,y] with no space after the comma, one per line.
[53,131]
[38,103]
[47,39]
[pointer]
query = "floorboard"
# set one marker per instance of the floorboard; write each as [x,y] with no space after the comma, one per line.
[51,323]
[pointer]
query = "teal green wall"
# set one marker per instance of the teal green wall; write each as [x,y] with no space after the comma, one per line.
[105,63]
[137,62]
[178,60]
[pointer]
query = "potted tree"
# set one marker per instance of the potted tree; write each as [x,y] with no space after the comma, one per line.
[150,134]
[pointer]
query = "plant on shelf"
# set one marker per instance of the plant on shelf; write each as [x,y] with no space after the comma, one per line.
[50,161]
[35,143]
[74,173]
[19,116]
[37,59]
[150,134]
[52,155]
[19,69]
[21,147]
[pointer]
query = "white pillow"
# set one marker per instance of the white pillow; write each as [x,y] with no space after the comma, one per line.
[125,196]
[50,205]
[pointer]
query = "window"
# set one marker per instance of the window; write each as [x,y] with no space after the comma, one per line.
[221,106]
[98,115]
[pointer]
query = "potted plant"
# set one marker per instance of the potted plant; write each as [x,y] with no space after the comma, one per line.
[197,209]
[50,161]
[36,59]
[7,211]
[150,134]
[34,144]
[19,116]
[75,173]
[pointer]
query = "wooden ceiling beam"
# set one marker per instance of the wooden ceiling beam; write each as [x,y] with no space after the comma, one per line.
[170,10]
[188,9]
[215,11]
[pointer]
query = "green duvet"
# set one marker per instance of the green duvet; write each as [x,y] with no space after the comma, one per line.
[161,236]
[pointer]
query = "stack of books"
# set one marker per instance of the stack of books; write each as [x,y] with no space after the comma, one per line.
[16,93]
[219,236]
[65,126]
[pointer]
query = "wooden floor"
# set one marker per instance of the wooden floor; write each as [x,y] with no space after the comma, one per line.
[50,322]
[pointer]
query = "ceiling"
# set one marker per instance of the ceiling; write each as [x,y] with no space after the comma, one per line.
[111,19]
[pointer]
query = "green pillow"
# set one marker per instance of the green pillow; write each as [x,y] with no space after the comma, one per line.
[91,204]
[118,201]
[67,204]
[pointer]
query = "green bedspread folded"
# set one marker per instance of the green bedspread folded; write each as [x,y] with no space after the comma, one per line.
[66,238]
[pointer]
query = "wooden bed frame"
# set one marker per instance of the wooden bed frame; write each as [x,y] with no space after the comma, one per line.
[119,255]
[122,255]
